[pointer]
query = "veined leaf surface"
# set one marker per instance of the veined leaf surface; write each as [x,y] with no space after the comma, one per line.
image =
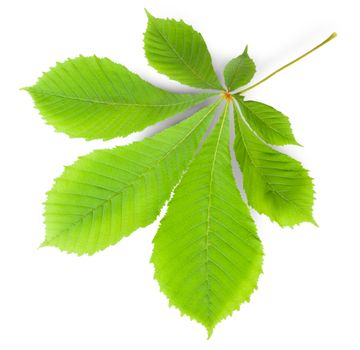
[175,49]
[207,255]
[271,125]
[108,194]
[239,71]
[275,184]
[96,98]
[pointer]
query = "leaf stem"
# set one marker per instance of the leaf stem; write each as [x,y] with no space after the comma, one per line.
[332,36]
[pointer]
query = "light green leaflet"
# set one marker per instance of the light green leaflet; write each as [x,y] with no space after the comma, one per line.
[178,51]
[239,71]
[271,125]
[207,254]
[96,98]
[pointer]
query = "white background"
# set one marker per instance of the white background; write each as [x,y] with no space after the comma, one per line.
[308,296]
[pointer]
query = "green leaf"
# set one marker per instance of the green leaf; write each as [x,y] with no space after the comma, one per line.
[175,49]
[271,125]
[108,194]
[275,184]
[96,98]
[239,71]
[207,255]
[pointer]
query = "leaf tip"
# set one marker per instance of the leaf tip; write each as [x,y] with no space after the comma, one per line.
[209,332]
[25,88]
[148,14]
[210,329]
[209,325]
[314,222]
[45,243]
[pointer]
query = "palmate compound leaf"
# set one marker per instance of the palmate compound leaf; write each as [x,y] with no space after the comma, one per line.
[239,71]
[271,125]
[275,184]
[108,194]
[96,98]
[175,49]
[207,254]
